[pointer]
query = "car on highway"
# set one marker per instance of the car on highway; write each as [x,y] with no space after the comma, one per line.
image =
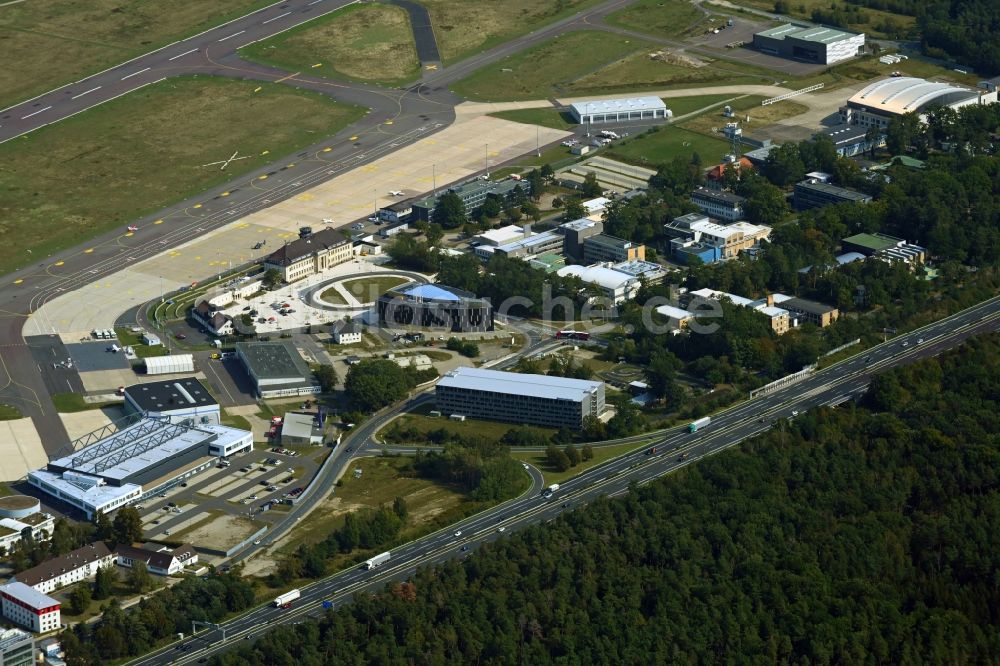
[464,548]
[256,542]
[920,341]
[524,465]
[501,529]
[795,412]
[905,344]
[458,533]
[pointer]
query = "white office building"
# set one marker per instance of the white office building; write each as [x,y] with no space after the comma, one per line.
[26,606]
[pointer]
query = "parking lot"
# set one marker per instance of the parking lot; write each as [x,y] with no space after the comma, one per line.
[241,490]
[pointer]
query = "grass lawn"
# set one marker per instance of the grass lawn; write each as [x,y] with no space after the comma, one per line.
[656,17]
[638,71]
[381,482]
[682,106]
[601,454]
[422,423]
[10,413]
[464,27]
[54,42]
[874,19]
[760,116]
[332,296]
[547,117]
[368,289]
[103,168]
[867,68]
[235,420]
[667,143]
[68,403]
[550,68]
[362,42]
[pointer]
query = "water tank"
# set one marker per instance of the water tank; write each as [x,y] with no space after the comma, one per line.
[18,506]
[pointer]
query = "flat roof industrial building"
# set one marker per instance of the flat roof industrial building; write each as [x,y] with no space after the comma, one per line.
[145,456]
[555,402]
[619,110]
[174,399]
[276,369]
[816,44]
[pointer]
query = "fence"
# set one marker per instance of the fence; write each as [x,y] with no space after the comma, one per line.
[789,95]
[787,380]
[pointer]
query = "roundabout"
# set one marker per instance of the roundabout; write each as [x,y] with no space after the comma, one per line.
[356,293]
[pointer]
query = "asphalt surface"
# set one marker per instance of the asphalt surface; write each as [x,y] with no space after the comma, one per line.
[423,32]
[840,382]
[417,112]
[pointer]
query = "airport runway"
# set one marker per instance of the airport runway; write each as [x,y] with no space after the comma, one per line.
[397,118]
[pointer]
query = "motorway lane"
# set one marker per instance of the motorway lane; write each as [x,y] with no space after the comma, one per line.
[675,450]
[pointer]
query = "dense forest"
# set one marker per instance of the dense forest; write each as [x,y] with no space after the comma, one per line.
[849,536]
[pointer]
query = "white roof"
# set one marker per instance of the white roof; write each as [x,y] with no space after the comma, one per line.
[674,313]
[28,595]
[174,362]
[596,205]
[501,235]
[607,278]
[532,386]
[95,497]
[298,425]
[619,105]
[530,242]
[719,295]
[773,311]
[906,93]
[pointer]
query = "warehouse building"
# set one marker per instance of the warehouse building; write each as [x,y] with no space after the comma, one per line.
[878,103]
[276,369]
[555,402]
[885,247]
[133,459]
[817,44]
[175,400]
[26,606]
[619,110]
[301,429]
[816,194]
[434,306]
[168,365]
[310,254]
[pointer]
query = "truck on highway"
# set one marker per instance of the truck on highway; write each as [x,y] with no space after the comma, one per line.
[285,600]
[695,426]
[551,489]
[377,561]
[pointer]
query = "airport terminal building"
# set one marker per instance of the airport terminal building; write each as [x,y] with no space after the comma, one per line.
[555,402]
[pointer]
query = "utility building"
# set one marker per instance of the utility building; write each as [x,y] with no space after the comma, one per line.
[619,110]
[543,400]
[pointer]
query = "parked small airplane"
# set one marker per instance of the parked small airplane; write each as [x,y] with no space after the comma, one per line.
[133,227]
[395,193]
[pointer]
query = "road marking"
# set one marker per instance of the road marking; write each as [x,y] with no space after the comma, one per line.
[86,93]
[275,18]
[182,54]
[314,2]
[128,76]
[232,35]
[285,78]
[35,113]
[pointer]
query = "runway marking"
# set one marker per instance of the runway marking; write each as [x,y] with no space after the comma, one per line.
[285,78]
[86,93]
[275,18]
[315,2]
[129,76]
[232,35]
[182,54]
[430,68]
[35,113]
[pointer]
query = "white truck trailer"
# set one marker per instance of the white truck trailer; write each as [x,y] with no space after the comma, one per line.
[377,561]
[285,600]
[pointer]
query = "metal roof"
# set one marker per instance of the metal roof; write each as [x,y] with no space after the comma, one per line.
[170,394]
[906,93]
[28,595]
[619,105]
[607,278]
[820,34]
[428,292]
[274,360]
[531,386]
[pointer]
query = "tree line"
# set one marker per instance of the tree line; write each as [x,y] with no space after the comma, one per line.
[847,536]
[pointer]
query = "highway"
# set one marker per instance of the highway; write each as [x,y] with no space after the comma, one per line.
[676,449]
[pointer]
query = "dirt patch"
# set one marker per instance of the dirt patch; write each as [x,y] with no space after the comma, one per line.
[672,58]
[220,532]
[428,503]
